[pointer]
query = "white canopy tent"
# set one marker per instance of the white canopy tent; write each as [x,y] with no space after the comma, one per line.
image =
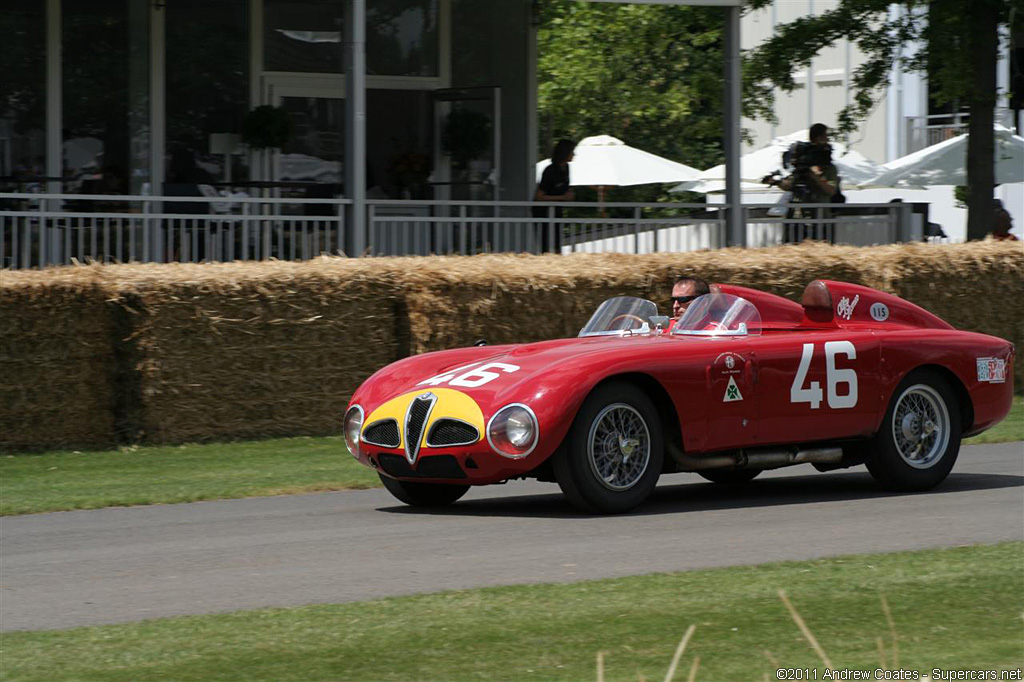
[606,161]
[854,168]
[946,164]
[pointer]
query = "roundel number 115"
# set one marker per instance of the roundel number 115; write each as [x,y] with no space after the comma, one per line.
[834,378]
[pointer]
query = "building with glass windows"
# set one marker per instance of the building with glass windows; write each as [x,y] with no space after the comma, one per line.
[126,96]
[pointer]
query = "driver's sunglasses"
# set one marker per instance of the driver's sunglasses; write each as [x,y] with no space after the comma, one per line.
[684,299]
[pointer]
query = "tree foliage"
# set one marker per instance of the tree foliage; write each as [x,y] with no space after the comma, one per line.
[953,42]
[650,75]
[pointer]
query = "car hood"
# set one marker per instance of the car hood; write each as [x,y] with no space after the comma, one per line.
[509,373]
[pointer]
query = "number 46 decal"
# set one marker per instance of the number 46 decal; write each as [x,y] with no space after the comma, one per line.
[471,379]
[833,378]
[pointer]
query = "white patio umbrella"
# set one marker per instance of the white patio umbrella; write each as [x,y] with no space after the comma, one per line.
[853,167]
[605,161]
[946,164]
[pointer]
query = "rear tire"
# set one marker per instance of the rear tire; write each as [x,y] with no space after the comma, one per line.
[614,452]
[424,494]
[730,476]
[919,440]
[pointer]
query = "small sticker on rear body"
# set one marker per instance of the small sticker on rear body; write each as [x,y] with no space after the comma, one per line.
[992,370]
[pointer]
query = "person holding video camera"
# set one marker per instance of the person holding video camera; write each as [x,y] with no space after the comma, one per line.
[813,180]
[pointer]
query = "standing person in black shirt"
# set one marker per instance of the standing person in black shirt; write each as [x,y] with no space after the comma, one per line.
[554,186]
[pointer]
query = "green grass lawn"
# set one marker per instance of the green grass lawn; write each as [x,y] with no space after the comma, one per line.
[58,481]
[951,609]
[161,475]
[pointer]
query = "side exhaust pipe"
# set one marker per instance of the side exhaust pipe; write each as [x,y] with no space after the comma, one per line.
[757,459]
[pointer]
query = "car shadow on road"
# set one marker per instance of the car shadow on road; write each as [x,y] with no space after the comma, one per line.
[698,496]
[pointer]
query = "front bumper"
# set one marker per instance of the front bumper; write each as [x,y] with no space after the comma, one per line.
[465,466]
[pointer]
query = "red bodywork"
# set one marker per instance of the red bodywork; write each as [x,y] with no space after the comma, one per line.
[688,378]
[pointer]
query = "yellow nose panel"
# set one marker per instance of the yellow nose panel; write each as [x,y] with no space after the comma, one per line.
[451,404]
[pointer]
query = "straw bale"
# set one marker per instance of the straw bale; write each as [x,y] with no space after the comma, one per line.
[55,360]
[248,350]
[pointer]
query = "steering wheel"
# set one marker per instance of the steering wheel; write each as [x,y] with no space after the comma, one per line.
[625,316]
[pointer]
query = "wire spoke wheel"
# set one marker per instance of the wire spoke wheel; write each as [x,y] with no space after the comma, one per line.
[920,426]
[918,443]
[619,447]
[614,453]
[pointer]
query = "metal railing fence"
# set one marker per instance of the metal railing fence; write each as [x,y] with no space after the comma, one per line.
[39,230]
[471,227]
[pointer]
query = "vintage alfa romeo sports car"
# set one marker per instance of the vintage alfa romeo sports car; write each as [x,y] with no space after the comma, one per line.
[744,381]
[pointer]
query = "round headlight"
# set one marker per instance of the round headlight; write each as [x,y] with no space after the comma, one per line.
[353,425]
[513,431]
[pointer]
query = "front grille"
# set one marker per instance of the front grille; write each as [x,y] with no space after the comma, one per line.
[449,432]
[383,434]
[434,466]
[415,418]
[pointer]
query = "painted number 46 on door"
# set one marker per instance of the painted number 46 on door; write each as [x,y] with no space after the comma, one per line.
[835,378]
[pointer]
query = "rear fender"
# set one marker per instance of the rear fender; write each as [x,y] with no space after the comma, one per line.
[953,357]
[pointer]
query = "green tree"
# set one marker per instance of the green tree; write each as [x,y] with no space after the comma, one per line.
[650,75]
[954,42]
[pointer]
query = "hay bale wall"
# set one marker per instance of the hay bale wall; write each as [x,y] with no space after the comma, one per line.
[95,356]
[57,361]
[257,349]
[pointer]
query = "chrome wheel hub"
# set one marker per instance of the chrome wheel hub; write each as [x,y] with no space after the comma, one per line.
[618,447]
[920,426]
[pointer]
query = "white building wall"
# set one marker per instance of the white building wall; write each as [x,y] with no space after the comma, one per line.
[822,91]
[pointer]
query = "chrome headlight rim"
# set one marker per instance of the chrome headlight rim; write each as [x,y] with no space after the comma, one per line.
[533,421]
[354,448]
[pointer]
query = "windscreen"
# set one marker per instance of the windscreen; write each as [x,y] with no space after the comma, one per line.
[617,316]
[719,315]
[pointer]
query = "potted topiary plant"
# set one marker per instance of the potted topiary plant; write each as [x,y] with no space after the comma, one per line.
[267,127]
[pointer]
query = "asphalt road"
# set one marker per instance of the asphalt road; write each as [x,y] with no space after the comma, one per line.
[113,565]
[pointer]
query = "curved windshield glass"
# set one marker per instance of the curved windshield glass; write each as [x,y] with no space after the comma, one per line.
[719,315]
[622,315]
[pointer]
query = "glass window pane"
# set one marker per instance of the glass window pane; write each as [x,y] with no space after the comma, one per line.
[307,36]
[207,81]
[401,37]
[303,35]
[22,93]
[106,96]
[316,150]
[399,137]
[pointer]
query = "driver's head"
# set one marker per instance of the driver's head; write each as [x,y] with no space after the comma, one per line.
[685,289]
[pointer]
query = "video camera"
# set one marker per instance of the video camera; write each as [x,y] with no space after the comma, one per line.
[800,157]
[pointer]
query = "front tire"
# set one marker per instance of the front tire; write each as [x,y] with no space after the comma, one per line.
[424,494]
[919,440]
[614,453]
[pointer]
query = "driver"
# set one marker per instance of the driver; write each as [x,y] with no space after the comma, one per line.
[684,291]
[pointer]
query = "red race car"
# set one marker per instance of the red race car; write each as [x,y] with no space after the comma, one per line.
[744,381]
